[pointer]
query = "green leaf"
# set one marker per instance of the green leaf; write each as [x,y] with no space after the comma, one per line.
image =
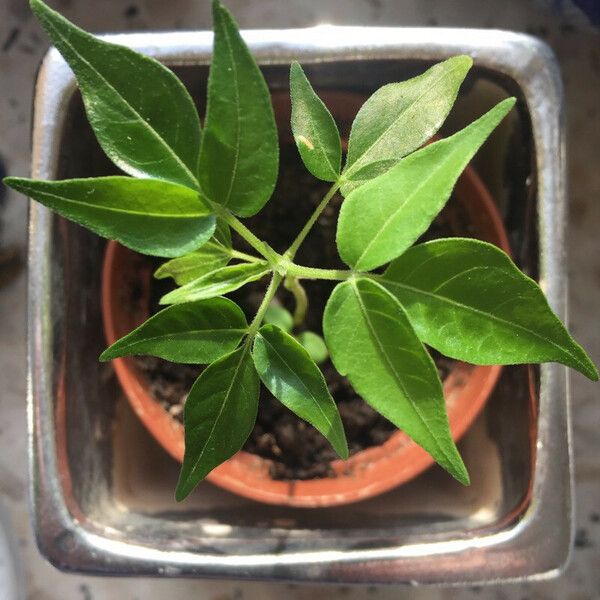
[142,115]
[195,332]
[383,218]
[220,412]
[214,254]
[399,118]
[314,129]
[277,315]
[372,342]
[218,282]
[290,374]
[315,346]
[468,300]
[147,215]
[239,157]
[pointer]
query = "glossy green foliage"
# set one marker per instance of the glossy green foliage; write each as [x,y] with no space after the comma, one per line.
[290,374]
[373,343]
[462,297]
[385,216]
[219,414]
[197,332]
[213,255]
[468,300]
[400,117]
[141,113]
[314,129]
[239,157]
[151,216]
[216,283]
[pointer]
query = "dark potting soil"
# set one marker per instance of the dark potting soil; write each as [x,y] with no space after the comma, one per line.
[296,449]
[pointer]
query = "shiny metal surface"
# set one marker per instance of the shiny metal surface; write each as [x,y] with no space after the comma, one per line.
[85,516]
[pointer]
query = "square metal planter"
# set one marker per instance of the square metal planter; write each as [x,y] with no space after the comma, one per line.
[101,490]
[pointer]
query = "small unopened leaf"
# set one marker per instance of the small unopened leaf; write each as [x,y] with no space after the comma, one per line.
[314,129]
[468,300]
[151,216]
[280,316]
[290,374]
[371,342]
[399,118]
[220,412]
[315,345]
[212,255]
[141,113]
[195,332]
[217,283]
[239,157]
[385,216]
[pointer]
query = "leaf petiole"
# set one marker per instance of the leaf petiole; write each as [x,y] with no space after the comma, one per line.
[243,256]
[291,252]
[302,272]
[261,247]
[293,285]
[264,305]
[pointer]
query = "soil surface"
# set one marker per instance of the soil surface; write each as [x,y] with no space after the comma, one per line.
[296,449]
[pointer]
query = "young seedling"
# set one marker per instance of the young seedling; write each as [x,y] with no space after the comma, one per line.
[186,188]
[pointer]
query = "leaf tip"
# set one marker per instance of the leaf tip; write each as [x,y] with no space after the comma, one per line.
[106,355]
[182,491]
[10,181]
[342,451]
[589,369]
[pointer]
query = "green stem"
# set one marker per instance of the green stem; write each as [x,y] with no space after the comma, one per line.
[261,247]
[243,256]
[260,313]
[291,252]
[293,285]
[301,272]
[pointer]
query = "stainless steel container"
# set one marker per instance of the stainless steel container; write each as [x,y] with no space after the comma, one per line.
[101,489]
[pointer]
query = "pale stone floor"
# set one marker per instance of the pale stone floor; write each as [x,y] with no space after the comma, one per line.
[578,48]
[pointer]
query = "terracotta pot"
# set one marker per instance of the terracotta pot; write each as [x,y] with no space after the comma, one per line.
[125,292]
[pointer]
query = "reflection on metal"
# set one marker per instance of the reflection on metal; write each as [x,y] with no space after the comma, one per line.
[516,526]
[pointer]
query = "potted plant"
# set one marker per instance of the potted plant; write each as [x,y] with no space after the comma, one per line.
[430,530]
[187,188]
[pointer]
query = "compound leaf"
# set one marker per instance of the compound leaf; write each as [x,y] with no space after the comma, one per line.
[290,374]
[212,255]
[218,282]
[399,118]
[382,218]
[219,414]
[239,157]
[195,332]
[147,215]
[314,129]
[141,113]
[468,300]
[372,342]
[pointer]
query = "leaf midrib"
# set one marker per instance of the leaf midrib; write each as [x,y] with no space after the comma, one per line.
[353,166]
[238,126]
[432,173]
[298,378]
[424,421]
[102,207]
[182,334]
[244,350]
[471,309]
